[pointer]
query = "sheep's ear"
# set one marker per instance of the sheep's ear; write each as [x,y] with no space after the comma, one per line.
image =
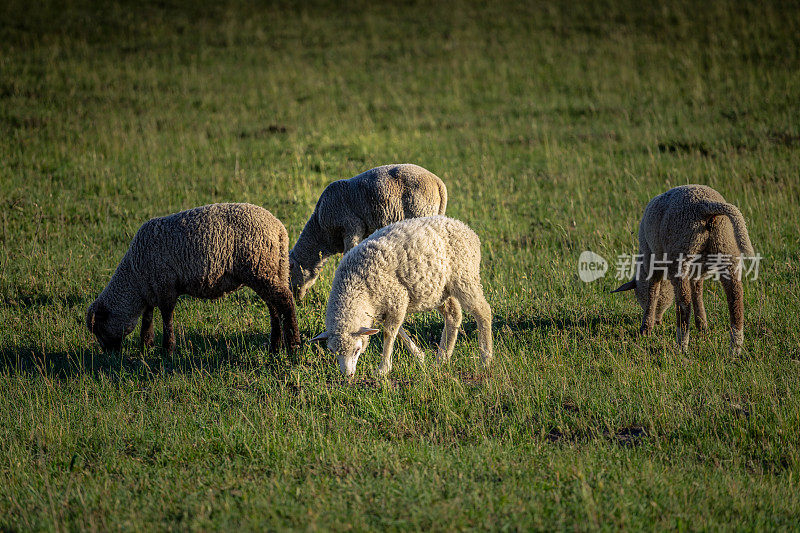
[626,287]
[366,331]
[321,337]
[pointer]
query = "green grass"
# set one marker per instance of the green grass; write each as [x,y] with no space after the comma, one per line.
[552,125]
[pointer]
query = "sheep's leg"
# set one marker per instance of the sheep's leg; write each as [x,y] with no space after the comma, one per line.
[168,340]
[451,312]
[391,326]
[283,319]
[699,307]
[651,306]
[389,335]
[147,334]
[415,350]
[665,297]
[476,305]
[683,305]
[288,317]
[275,330]
[735,295]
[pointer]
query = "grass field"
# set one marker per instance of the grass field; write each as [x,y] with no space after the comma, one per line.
[552,126]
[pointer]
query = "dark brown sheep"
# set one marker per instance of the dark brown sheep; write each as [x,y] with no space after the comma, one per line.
[205,252]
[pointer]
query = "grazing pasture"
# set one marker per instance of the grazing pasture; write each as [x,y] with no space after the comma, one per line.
[552,125]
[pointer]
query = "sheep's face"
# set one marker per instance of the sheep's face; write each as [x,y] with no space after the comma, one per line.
[347,347]
[107,326]
[301,278]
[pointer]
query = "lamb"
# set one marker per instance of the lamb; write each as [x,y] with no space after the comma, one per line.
[413,265]
[204,252]
[685,228]
[351,209]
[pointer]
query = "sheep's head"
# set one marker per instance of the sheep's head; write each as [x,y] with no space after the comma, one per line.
[107,326]
[301,278]
[347,346]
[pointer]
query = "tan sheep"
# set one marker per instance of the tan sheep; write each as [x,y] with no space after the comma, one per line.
[204,252]
[351,209]
[686,228]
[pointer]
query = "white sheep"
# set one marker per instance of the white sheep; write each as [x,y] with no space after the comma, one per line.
[349,210]
[690,228]
[414,265]
[204,252]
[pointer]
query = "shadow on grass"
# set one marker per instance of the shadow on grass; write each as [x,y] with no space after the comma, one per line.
[430,331]
[627,436]
[208,353]
[587,324]
[193,353]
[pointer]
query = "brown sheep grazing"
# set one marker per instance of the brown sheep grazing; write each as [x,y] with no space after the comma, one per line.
[205,252]
[690,228]
[350,210]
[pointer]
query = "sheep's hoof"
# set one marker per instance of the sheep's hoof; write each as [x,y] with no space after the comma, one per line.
[644,331]
[381,372]
[294,349]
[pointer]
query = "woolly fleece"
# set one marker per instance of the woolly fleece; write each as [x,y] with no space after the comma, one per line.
[351,209]
[204,252]
[410,266]
[687,220]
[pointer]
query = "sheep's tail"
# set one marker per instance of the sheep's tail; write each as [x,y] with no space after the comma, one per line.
[736,218]
[442,197]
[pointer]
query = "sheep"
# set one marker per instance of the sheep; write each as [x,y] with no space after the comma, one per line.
[204,252]
[349,210]
[413,265]
[696,224]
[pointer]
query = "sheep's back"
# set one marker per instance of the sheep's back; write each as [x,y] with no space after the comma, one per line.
[421,255]
[674,222]
[390,193]
[205,251]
